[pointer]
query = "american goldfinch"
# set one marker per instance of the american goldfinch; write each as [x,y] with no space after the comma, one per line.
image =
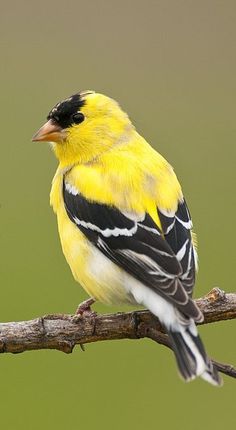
[124,225]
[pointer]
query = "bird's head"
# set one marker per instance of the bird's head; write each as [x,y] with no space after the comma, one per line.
[84,126]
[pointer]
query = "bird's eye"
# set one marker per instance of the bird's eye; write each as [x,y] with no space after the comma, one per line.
[77,117]
[55,118]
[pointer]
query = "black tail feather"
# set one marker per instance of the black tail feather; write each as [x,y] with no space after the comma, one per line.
[191,356]
[185,359]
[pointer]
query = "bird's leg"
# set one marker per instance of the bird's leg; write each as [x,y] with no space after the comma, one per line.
[84,308]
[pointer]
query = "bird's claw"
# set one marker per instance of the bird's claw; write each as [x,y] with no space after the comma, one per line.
[84,309]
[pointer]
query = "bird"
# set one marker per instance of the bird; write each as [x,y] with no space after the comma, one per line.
[124,224]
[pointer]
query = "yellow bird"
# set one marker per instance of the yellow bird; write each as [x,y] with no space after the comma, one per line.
[124,225]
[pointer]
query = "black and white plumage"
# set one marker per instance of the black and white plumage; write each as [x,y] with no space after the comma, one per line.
[176,227]
[161,260]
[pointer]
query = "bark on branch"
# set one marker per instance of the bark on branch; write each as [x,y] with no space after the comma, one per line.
[63,332]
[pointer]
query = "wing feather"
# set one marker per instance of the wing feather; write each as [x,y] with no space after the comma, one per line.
[136,245]
[177,227]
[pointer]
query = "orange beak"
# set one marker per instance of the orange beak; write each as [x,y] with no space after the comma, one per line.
[49,132]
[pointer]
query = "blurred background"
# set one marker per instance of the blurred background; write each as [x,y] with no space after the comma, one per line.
[172,67]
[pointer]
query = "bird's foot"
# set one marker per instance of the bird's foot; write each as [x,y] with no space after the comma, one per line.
[84,308]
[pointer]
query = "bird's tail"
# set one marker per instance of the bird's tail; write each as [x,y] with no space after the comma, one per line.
[191,356]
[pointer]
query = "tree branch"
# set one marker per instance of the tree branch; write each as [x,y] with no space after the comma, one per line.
[63,332]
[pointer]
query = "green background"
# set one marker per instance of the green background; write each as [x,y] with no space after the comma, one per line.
[172,66]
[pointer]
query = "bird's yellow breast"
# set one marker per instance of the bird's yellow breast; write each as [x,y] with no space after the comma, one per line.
[85,261]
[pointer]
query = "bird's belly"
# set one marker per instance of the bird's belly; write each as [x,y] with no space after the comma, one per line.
[99,276]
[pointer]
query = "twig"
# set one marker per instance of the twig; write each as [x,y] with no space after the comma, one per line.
[63,332]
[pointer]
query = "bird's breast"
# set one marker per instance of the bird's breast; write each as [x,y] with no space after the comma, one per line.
[99,276]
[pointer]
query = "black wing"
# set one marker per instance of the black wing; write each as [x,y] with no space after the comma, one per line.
[177,232]
[136,245]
